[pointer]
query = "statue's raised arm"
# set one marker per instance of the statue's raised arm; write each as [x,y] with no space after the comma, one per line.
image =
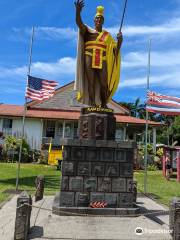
[79,4]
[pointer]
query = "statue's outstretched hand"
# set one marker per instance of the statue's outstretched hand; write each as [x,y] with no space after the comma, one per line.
[79,4]
[120,37]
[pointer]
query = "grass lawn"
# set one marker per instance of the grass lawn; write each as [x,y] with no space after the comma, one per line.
[158,186]
[28,173]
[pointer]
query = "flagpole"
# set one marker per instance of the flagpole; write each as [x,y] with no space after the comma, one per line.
[147,116]
[25,109]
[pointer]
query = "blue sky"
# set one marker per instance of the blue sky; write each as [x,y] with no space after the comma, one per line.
[54,49]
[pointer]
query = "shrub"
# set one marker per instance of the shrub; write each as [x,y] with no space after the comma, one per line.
[159,152]
[12,147]
[149,149]
[152,167]
[43,158]
[34,155]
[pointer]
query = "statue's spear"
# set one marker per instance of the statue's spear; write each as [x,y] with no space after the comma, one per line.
[122,20]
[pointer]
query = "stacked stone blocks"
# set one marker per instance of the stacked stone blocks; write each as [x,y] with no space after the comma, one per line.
[95,168]
[97,171]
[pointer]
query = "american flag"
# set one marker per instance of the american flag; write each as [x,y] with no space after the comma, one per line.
[158,103]
[40,89]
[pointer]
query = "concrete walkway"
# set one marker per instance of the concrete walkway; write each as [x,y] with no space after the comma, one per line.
[46,225]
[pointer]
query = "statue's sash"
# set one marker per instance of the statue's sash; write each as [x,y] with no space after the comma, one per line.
[98,47]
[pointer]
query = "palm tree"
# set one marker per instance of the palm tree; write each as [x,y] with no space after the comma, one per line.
[137,109]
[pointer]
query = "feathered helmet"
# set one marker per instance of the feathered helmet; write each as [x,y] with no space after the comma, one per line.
[99,11]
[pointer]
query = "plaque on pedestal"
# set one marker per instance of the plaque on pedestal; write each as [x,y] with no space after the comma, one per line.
[97,123]
[84,169]
[76,184]
[90,184]
[82,199]
[98,169]
[104,184]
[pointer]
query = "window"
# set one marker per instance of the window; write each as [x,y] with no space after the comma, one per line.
[50,129]
[119,133]
[59,129]
[7,123]
[68,130]
[7,126]
[76,130]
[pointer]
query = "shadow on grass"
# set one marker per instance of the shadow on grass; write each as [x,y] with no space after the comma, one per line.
[153,196]
[174,176]
[52,182]
[150,195]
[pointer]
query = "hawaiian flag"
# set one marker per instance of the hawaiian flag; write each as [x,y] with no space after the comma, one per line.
[40,89]
[163,104]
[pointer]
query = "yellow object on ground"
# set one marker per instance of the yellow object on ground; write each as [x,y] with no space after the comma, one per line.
[54,156]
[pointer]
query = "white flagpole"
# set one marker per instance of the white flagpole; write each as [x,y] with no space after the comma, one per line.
[147,116]
[25,109]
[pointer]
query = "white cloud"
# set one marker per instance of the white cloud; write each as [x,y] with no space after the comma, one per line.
[63,66]
[48,33]
[66,67]
[171,80]
[13,71]
[57,33]
[172,26]
[158,59]
[168,30]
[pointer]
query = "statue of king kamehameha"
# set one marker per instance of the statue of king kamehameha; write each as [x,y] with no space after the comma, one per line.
[98,60]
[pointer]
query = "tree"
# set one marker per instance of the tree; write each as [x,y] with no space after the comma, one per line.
[176,130]
[137,109]
[167,134]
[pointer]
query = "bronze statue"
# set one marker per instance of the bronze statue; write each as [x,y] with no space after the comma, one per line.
[98,60]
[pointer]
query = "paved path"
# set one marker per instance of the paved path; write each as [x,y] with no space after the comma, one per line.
[49,226]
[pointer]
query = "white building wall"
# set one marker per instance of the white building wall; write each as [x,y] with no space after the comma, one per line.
[1,122]
[33,131]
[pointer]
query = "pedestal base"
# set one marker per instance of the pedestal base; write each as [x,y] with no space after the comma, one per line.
[99,171]
[84,211]
[95,168]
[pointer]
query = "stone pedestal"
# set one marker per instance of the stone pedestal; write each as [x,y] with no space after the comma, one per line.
[96,170]
[94,124]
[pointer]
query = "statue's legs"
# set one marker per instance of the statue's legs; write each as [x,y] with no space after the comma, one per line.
[102,77]
[89,73]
